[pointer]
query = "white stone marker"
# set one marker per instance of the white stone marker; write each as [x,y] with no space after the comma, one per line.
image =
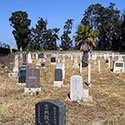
[15,69]
[99,66]
[113,56]
[89,75]
[36,56]
[76,65]
[76,87]
[109,61]
[80,67]
[29,58]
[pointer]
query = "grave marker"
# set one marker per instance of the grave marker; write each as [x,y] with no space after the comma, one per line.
[58,78]
[32,80]
[50,112]
[76,87]
[118,66]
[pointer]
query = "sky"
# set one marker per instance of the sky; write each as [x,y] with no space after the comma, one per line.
[55,11]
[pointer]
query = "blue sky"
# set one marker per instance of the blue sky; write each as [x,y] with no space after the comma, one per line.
[55,11]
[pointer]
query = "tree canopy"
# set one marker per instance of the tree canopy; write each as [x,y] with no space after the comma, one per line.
[20,22]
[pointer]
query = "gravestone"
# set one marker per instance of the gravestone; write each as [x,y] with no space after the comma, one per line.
[32,80]
[58,78]
[24,59]
[50,112]
[106,61]
[12,74]
[43,65]
[29,60]
[76,65]
[22,74]
[15,69]
[53,60]
[120,57]
[118,67]
[76,87]
[61,66]
[41,55]
[37,63]
[36,56]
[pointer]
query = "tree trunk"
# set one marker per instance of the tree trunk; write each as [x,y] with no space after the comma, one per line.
[85,59]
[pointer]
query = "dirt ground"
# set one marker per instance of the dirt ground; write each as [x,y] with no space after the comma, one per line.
[107,91]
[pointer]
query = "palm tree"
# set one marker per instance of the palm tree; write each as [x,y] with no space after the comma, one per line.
[85,39]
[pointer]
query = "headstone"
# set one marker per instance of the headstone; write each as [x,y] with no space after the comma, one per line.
[118,67]
[76,65]
[24,59]
[71,57]
[58,78]
[32,80]
[61,66]
[15,69]
[109,61]
[113,56]
[50,112]
[36,56]
[43,65]
[22,74]
[12,75]
[64,59]
[41,55]
[37,63]
[53,60]
[120,57]
[33,55]
[76,87]
[89,56]
[106,61]
[29,58]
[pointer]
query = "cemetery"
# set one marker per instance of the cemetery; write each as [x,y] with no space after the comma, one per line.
[63,92]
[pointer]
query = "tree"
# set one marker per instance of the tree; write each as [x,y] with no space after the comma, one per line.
[43,38]
[50,39]
[66,42]
[107,21]
[20,22]
[37,33]
[85,39]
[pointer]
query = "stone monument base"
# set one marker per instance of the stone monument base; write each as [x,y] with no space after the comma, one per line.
[53,63]
[32,91]
[58,83]
[21,83]
[12,74]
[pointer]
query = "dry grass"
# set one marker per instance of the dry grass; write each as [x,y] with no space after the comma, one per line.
[107,91]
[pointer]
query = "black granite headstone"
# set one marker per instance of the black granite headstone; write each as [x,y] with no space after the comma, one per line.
[33,77]
[42,64]
[24,59]
[58,74]
[53,59]
[22,74]
[106,61]
[50,112]
[41,55]
[119,64]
